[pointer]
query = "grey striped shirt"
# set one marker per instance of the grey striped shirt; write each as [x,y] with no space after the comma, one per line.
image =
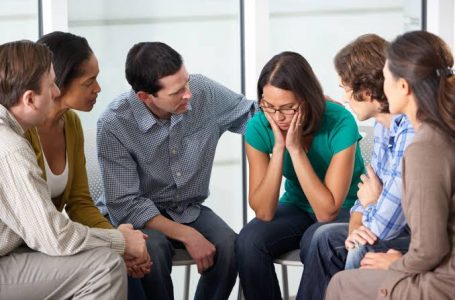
[27,214]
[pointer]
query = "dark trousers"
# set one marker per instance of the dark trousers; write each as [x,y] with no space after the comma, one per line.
[323,254]
[259,243]
[215,283]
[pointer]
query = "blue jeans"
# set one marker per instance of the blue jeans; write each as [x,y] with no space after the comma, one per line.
[355,256]
[259,243]
[326,255]
[215,283]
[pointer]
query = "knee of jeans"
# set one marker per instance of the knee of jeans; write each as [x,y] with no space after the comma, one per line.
[158,245]
[248,241]
[313,238]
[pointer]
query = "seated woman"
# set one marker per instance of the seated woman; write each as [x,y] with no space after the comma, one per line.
[420,82]
[59,142]
[310,141]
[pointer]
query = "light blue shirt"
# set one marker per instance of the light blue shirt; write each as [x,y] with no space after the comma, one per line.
[385,218]
[151,166]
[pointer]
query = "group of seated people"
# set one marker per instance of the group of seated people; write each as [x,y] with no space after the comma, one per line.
[382,230]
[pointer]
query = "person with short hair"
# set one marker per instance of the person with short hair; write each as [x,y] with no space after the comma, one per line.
[418,81]
[43,254]
[156,145]
[377,222]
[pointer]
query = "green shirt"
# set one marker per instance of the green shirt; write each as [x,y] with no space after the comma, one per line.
[338,131]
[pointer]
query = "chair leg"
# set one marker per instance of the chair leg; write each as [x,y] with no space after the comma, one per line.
[240,294]
[284,274]
[186,287]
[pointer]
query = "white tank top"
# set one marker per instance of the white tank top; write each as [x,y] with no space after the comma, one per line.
[56,183]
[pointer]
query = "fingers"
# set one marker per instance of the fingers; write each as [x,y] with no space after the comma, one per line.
[363,236]
[393,251]
[364,178]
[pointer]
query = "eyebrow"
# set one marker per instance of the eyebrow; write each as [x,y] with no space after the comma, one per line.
[288,104]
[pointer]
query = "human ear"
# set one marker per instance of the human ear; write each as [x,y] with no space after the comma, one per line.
[404,87]
[143,96]
[28,99]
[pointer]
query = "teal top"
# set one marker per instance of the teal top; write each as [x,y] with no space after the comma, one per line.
[338,131]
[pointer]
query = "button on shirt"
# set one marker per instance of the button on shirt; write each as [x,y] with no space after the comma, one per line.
[385,218]
[152,166]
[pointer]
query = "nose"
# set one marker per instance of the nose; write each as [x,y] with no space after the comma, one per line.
[187,94]
[56,91]
[279,115]
[97,87]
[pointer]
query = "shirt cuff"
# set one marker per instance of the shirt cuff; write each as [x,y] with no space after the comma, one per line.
[117,241]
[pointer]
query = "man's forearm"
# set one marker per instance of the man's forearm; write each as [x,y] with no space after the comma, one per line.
[169,228]
[355,221]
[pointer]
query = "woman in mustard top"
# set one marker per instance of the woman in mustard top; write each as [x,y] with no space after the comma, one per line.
[59,141]
[311,142]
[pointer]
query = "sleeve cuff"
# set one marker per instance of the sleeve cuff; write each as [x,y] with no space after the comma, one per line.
[117,241]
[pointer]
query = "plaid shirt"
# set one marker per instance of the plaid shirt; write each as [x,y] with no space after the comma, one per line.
[385,217]
[151,166]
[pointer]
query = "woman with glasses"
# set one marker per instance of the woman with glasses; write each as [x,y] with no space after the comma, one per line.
[419,81]
[310,141]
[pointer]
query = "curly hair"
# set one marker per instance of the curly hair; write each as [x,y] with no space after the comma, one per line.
[360,64]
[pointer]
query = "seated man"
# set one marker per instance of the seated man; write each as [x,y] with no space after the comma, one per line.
[43,254]
[377,218]
[156,145]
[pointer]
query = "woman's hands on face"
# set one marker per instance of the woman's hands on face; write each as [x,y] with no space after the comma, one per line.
[294,133]
[280,136]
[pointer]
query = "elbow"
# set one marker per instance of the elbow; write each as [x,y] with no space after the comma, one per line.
[264,217]
[326,217]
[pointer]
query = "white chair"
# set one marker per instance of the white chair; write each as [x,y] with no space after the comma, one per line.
[292,258]
[181,256]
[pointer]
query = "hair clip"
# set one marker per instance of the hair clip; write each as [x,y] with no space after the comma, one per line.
[446,72]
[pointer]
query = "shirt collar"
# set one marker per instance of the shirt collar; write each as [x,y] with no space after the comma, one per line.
[10,120]
[396,123]
[144,117]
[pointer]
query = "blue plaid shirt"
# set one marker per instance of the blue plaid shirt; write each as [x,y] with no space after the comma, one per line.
[385,218]
[151,166]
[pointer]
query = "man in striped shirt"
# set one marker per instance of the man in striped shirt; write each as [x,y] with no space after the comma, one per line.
[43,254]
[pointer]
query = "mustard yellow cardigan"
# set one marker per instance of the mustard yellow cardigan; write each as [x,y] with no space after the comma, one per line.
[76,197]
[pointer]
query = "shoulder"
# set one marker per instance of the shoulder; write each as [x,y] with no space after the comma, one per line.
[118,108]
[335,115]
[258,123]
[12,142]
[431,149]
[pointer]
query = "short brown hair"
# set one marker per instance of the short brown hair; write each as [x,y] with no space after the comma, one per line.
[22,65]
[360,64]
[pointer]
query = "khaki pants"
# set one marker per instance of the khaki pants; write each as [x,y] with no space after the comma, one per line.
[94,274]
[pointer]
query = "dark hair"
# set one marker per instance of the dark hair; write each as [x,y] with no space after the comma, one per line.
[360,64]
[70,52]
[424,60]
[148,62]
[22,66]
[290,71]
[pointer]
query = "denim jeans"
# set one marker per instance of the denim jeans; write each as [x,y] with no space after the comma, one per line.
[355,256]
[326,255]
[259,243]
[215,283]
